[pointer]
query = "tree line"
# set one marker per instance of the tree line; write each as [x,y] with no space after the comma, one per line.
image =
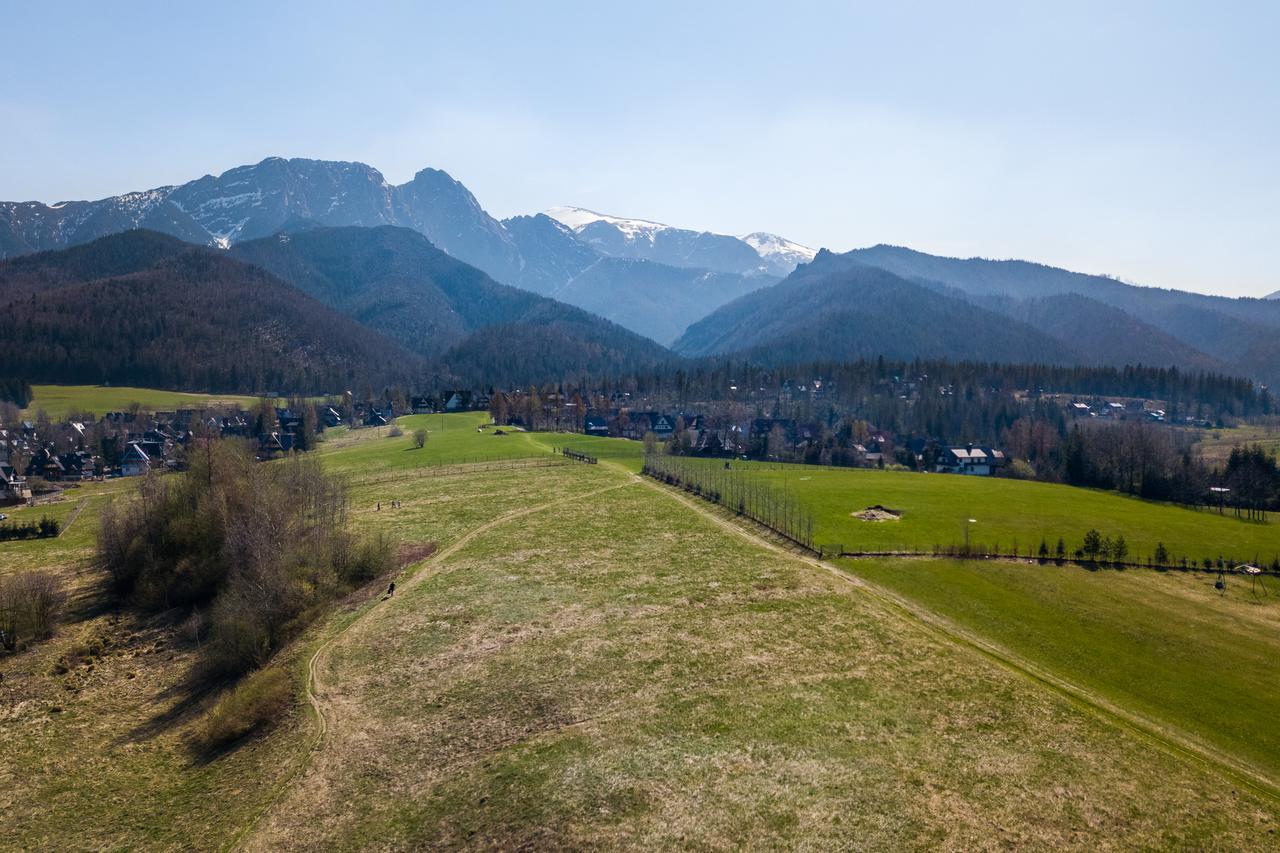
[15,391]
[774,508]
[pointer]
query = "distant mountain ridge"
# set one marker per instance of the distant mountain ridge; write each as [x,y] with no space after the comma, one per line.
[834,310]
[835,307]
[255,201]
[655,299]
[753,254]
[1240,334]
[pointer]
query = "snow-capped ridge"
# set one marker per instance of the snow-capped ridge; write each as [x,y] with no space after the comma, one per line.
[777,256]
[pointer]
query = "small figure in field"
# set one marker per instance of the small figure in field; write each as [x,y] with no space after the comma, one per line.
[379,509]
[391,589]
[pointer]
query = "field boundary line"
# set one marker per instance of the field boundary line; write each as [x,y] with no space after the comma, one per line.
[75,513]
[413,575]
[1176,743]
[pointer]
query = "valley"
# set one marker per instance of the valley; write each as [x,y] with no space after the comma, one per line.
[642,427]
[589,658]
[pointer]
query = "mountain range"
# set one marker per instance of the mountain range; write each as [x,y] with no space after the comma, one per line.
[255,201]
[429,276]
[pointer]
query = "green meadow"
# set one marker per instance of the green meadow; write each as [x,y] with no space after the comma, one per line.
[936,510]
[452,439]
[58,400]
[1165,645]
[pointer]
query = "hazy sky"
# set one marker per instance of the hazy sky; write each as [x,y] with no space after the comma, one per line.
[1139,141]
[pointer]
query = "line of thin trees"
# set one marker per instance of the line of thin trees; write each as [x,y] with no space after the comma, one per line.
[776,509]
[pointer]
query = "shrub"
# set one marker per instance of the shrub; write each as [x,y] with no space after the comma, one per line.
[255,704]
[1020,469]
[45,528]
[419,438]
[395,431]
[30,604]
[1092,544]
[1161,555]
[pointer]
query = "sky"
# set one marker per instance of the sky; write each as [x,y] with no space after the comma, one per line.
[1131,139]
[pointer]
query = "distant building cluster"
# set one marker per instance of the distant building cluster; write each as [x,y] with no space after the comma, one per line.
[35,454]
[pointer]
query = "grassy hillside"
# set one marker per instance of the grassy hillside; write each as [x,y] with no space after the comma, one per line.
[1165,645]
[588,660]
[591,662]
[58,400]
[451,439]
[1216,445]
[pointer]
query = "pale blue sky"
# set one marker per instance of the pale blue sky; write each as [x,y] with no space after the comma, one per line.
[1139,141]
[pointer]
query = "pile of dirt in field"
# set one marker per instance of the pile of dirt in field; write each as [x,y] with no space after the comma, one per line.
[878,513]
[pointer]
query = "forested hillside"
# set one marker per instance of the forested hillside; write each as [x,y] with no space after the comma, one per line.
[185,317]
[394,280]
[840,312]
[1239,333]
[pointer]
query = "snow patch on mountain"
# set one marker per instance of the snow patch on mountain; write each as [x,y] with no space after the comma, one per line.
[578,218]
[771,245]
[778,255]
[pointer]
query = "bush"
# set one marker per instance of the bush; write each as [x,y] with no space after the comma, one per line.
[395,431]
[30,604]
[45,528]
[255,704]
[1162,554]
[419,438]
[1020,469]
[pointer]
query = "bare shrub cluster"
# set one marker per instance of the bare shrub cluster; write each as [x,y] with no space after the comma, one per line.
[258,549]
[30,605]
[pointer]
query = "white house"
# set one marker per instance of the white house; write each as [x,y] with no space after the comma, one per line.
[135,462]
[979,461]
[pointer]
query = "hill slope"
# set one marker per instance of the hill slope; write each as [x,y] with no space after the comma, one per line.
[834,309]
[396,281]
[1103,334]
[180,317]
[1237,332]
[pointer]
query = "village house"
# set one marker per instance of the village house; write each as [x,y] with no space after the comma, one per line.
[135,461]
[13,486]
[978,461]
[596,425]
